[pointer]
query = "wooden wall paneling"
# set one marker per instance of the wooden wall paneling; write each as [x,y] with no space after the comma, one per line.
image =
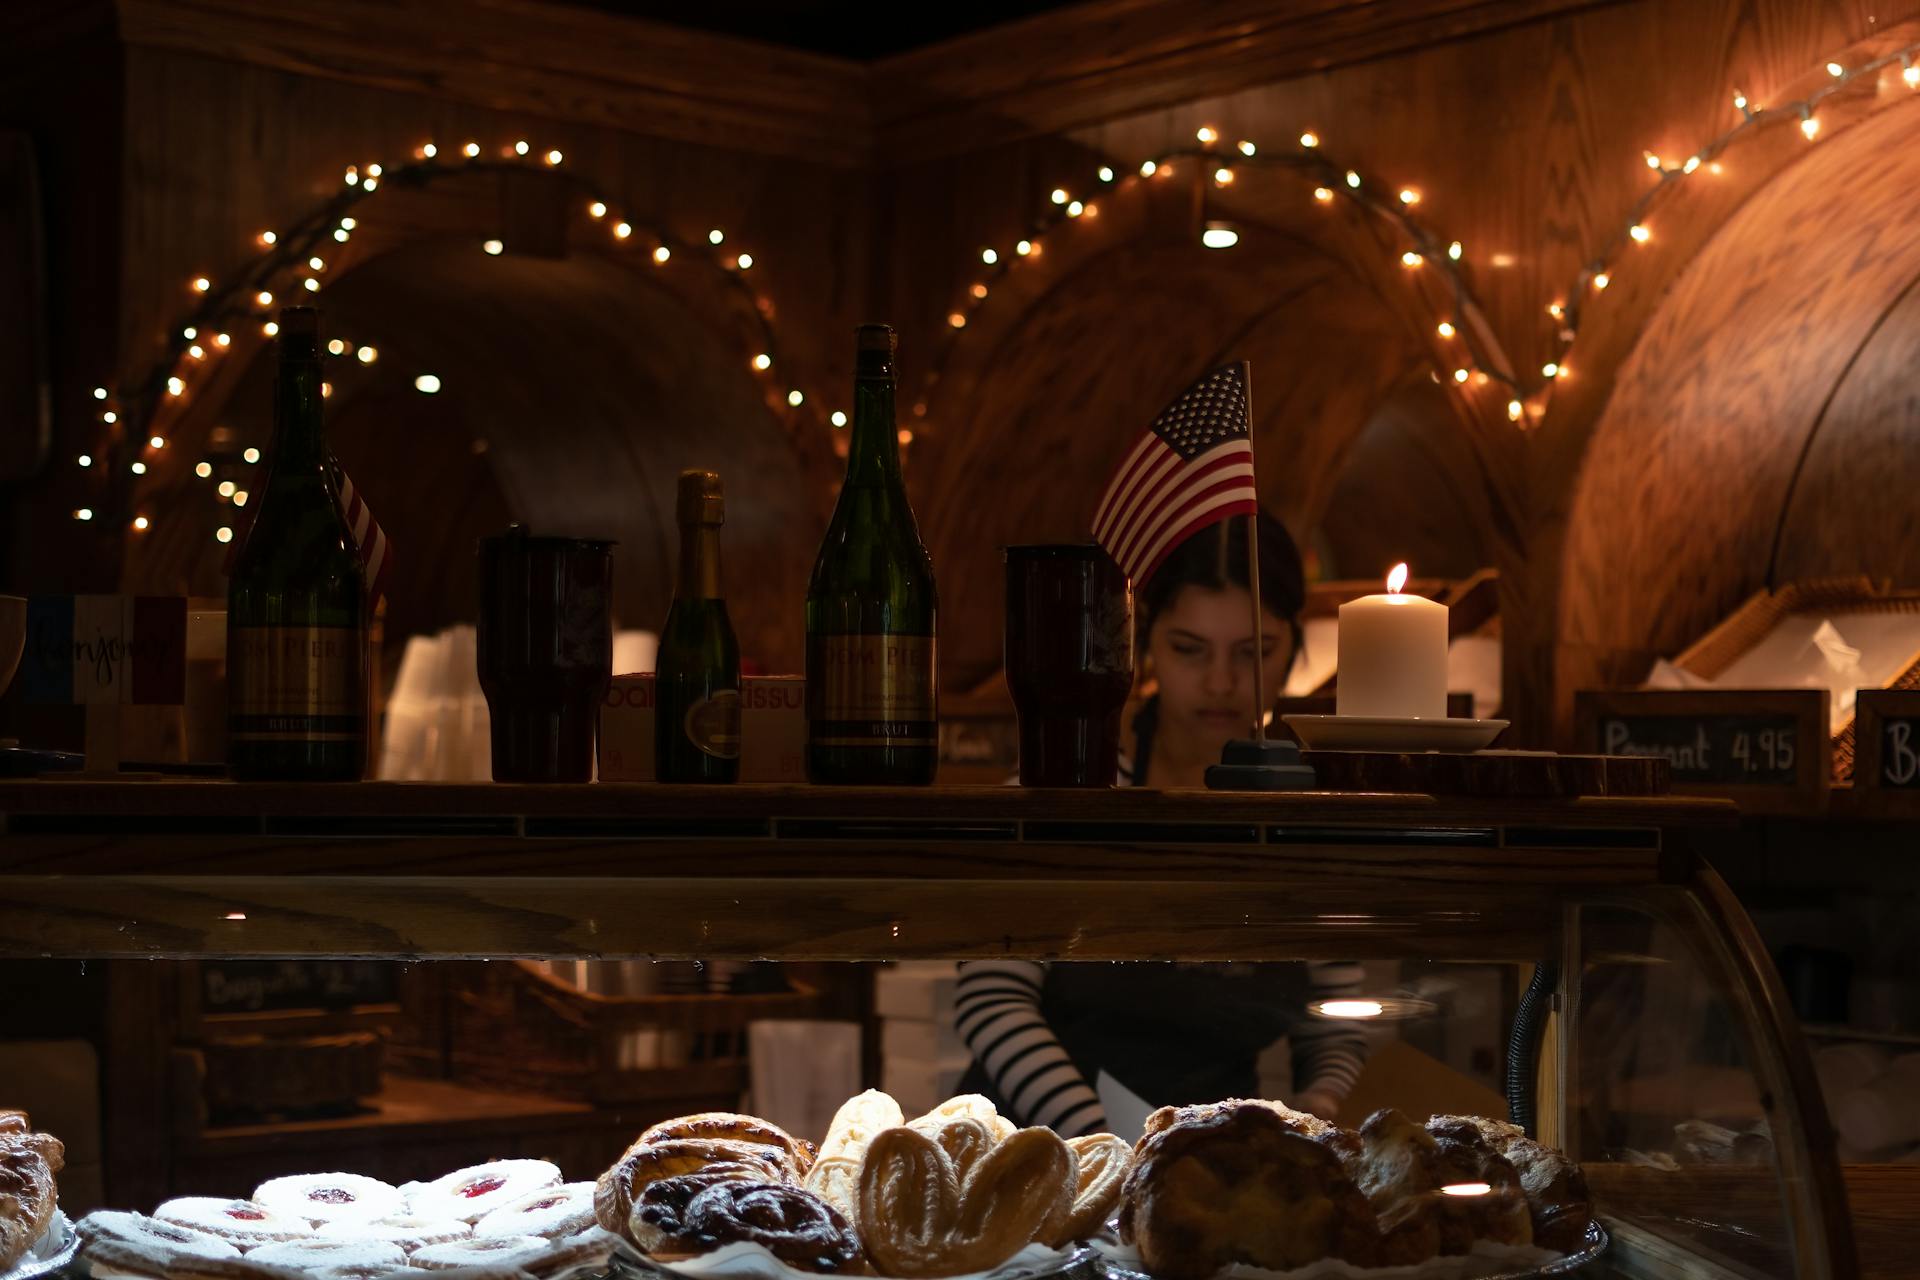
[1709,414]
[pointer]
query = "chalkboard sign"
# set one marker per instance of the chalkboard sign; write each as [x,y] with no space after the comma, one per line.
[1769,749]
[262,986]
[1886,764]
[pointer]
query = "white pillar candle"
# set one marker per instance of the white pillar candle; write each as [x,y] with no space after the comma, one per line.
[1393,655]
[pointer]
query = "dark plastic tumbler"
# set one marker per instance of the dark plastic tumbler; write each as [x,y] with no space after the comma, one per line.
[1069,660]
[545,652]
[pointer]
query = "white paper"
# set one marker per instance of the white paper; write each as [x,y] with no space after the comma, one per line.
[748,1261]
[1126,1110]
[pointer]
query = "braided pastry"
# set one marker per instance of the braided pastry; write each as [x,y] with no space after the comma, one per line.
[645,1164]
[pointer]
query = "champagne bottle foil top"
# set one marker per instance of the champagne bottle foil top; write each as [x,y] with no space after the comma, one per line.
[876,337]
[701,499]
[299,332]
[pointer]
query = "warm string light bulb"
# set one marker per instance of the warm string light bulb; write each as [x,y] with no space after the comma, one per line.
[1835,70]
[203,469]
[268,237]
[201,284]
[1024,248]
[989,257]
[598,209]
[1444,329]
[1247,148]
[1550,370]
[493,248]
[662,253]
[763,362]
[1640,233]
[1075,209]
[1353,179]
[1059,195]
[1323,194]
[1409,196]
[795,398]
[251,455]
[744,261]
[1309,139]
[715,236]
[621,230]
[1601,280]
[1410,259]
[1105,173]
[554,157]
[1809,124]
[223,534]
[839,419]
[1514,410]
[1909,72]
[1147,167]
[1207,135]
[521,148]
[1460,375]
[1222,176]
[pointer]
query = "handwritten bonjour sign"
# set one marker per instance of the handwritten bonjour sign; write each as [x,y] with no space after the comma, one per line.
[1769,748]
[94,650]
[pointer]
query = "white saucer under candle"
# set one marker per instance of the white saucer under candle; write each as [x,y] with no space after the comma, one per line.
[1393,655]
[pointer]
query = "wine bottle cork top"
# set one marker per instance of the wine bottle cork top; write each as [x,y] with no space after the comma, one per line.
[299,331]
[702,501]
[876,337]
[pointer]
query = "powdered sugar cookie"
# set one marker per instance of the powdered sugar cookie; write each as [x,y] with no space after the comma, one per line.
[145,1246]
[346,1259]
[495,1251]
[551,1213]
[407,1230]
[471,1194]
[330,1197]
[238,1222]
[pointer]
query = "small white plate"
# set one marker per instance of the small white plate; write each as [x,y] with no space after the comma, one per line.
[1392,733]
[50,1253]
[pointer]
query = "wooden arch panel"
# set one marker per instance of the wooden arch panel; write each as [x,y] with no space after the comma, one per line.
[1774,342]
[573,391]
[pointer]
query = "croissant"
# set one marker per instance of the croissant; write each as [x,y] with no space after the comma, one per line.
[28,1162]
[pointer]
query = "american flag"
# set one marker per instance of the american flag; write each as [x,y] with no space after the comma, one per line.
[1192,468]
[369,539]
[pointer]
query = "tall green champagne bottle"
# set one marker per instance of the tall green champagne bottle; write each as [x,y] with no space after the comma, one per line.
[872,698]
[696,709]
[296,602]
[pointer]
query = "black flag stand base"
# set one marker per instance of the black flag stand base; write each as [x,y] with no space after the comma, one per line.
[1262,764]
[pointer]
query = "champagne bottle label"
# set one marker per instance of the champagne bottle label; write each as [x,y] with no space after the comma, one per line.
[713,724]
[872,691]
[296,684]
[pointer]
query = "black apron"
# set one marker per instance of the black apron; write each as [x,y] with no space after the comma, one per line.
[1174,1034]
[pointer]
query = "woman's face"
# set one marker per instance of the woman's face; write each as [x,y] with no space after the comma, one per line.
[1202,647]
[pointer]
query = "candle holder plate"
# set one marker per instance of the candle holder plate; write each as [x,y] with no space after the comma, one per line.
[1394,733]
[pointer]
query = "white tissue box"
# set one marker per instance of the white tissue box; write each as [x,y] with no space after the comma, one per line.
[936,1041]
[918,989]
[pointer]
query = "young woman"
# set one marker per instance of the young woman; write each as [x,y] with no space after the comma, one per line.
[1042,1035]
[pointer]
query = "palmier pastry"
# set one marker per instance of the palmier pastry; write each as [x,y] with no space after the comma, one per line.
[470,1194]
[239,1222]
[1101,1164]
[966,1140]
[917,1218]
[330,1197]
[791,1223]
[857,1121]
[727,1126]
[28,1192]
[836,1179]
[1240,1184]
[1555,1187]
[619,1187]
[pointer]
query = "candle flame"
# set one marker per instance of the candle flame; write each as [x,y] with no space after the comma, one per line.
[1397,579]
[1467,1189]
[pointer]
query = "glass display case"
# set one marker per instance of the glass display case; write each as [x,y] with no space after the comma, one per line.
[521,958]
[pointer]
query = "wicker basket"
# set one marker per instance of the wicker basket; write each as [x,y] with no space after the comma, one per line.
[515,1026]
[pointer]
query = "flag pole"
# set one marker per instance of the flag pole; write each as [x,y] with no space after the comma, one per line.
[1260,704]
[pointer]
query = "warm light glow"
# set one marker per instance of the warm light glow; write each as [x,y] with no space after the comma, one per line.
[1024,248]
[1353,179]
[227,487]
[429,150]
[349,223]
[1059,196]
[1556,309]
[1207,134]
[989,257]
[471,150]
[1410,259]
[795,398]
[957,320]
[426,384]
[158,442]
[904,435]
[326,391]
[336,347]
[493,247]
[744,261]
[268,237]
[312,285]
[1550,370]
[1461,375]
[175,386]
[138,468]
[979,291]
[1693,162]
[554,157]
[1653,161]
[239,497]
[621,230]
[1222,176]
[1739,100]
[1309,139]
[1247,148]
[234,915]
[1362,1008]
[353,177]
[189,333]
[340,234]
[1323,194]
[223,534]
[1564,371]
[367,355]
[521,148]
[662,253]
[763,362]
[1075,209]
[109,417]
[270,328]
[1454,251]
[203,469]
[1911,74]
[598,209]
[1409,196]
[196,352]
[222,339]
[1640,233]
[201,284]
[1835,70]
[264,297]
[84,513]
[1809,126]
[316,264]
[1514,410]
[838,419]
[715,236]
[1602,280]
[1218,235]
[140,522]
[1147,167]
[85,459]
[1445,329]
[370,184]
[1467,1189]
[251,454]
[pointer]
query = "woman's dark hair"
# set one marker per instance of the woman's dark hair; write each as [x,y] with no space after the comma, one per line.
[1216,558]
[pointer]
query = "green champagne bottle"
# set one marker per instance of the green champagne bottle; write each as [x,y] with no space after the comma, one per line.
[296,602]
[872,698]
[696,707]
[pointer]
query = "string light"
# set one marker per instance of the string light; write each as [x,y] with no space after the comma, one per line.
[227,487]
[1454,251]
[1105,173]
[251,455]
[1444,329]
[426,384]
[1309,139]
[203,469]
[1247,148]
[1075,209]
[520,148]
[1693,162]
[349,224]
[598,209]
[471,150]
[175,386]
[715,236]
[1410,259]
[1835,70]
[1353,180]
[158,442]
[100,393]
[1219,235]
[85,460]
[268,237]
[429,151]
[223,534]
[366,355]
[271,328]
[1222,176]
[140,523]
[1909,72]
[1207,134]
[621,230]
[1653,161]
[138,468]
[1323,194]
[763,362]
[1640,233]
[222,339]
[353,177]
[201,284]
[264,298]
[1808,124]
[1024,248]
[1460,375]
[838,418]
[84,513]
[554,157]
[1739,101]
[493,248]
[989,257]
[311,285]
[337,347]
[794,398]
[1550,370]
[1514,410]
[1408,196]
[744,261]
[1059,195]
[109,417]
[1601,280]
[239,497]
[662,253]
[316,264]
[1147,167]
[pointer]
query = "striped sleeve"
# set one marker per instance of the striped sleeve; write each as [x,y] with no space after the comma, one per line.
[997,1011]
[1328,1054]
